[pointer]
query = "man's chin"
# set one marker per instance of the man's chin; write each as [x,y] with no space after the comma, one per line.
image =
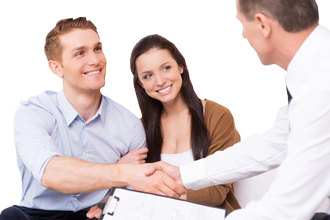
[265,62]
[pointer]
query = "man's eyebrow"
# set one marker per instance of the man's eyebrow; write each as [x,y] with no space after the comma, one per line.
[78,48]
[83,47]
[98,44]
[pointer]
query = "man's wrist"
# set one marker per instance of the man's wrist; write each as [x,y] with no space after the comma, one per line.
[120,175]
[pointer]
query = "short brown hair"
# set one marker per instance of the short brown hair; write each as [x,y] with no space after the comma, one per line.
[292,15]
[53,49]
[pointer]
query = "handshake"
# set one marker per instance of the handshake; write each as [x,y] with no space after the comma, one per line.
[158,178]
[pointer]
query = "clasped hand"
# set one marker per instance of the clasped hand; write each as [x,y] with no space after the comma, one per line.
[158,178]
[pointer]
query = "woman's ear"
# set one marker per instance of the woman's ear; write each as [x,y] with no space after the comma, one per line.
[56,68]
[181,68]
[264,24]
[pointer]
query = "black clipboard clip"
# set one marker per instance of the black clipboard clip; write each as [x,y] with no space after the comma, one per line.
[114,206]
[109,209]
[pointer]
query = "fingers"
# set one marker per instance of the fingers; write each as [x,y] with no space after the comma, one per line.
[94,212]
[136,157]
[164,185]
[142,155]
[159,183]
[142,150]
[153,167]
[140,159]
[156,184]
[170,187]
[173,172]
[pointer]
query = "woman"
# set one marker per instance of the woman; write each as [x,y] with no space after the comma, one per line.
[180,128]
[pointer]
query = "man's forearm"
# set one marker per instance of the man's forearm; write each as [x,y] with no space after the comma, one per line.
[71,175]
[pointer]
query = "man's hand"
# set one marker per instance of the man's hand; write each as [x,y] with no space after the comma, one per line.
[170,170]
[156,182]
[136,156]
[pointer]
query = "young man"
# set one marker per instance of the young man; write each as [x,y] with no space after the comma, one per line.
[67,142]
[285,33]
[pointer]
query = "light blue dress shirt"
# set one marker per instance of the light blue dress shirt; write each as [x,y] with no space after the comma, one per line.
[47,125]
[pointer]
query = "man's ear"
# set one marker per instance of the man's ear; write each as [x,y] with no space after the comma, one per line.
[264,24]
[56,68]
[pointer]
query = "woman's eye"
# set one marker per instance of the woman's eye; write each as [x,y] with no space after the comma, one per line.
[147,76]
[166,68]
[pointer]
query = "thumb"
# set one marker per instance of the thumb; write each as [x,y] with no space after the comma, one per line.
[173,172]
[153,168]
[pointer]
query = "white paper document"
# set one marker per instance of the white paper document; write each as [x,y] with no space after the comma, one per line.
[134,205]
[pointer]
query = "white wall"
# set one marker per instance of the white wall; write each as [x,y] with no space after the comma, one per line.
[222,65]
[10,185]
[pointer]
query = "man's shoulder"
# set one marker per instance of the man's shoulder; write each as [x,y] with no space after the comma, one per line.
[44,102]
[114,108]
[37,109]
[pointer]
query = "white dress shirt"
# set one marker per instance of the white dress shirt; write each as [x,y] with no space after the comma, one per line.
[299,143]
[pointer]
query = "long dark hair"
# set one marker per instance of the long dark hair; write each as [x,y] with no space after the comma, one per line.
[151,108]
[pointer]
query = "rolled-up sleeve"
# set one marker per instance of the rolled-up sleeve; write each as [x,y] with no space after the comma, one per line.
[34,145]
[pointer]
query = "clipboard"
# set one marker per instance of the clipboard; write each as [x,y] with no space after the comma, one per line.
[127,204]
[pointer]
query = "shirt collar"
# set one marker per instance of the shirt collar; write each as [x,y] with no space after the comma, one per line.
[66,108]
[70,113]
[101,111]
[297,68]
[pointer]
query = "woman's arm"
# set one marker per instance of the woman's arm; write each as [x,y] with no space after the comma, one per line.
[135,157]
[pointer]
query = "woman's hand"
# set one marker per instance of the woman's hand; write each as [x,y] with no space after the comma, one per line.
[95,211]
[136,156]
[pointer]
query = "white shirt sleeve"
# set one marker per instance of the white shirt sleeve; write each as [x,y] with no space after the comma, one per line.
[302,181]
[254,155]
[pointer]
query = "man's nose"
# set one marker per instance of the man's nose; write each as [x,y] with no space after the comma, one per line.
[93,59]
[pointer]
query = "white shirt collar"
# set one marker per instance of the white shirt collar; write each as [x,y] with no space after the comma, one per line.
[297,68]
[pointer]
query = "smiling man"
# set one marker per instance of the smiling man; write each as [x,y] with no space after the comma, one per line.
[68,142]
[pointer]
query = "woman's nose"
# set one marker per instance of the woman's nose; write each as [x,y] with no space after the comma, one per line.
[160,80]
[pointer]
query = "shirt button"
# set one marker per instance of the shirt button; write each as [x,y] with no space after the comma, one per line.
[75,198]
[84,154]
[84,126]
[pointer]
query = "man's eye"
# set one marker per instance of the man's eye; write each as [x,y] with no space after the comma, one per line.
[80,53]
[98,49]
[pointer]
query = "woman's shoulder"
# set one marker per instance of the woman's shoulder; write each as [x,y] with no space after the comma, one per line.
[213,107]
[215,114]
